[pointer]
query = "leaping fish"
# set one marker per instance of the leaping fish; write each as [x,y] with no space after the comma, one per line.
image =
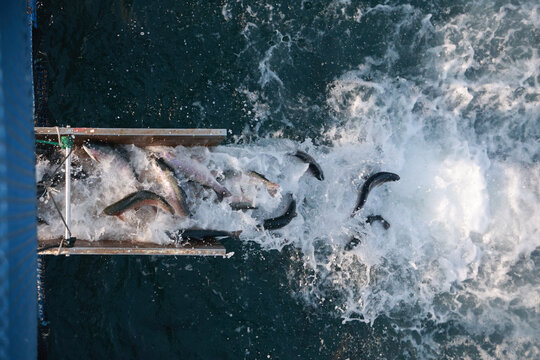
[373,181]
[314,167]
[136,200]
[196,172]
[282,220]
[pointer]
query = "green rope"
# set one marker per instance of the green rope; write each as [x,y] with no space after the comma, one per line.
[47,142]
[65,142]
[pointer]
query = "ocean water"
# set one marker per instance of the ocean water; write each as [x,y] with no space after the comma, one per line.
[445,94]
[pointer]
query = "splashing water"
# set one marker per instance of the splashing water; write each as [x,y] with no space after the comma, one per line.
[452,107]
[462,130]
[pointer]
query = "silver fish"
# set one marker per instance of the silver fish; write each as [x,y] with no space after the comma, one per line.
[192,170]
[136,200]
[176,195]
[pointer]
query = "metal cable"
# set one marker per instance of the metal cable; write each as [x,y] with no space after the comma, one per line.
[56,170]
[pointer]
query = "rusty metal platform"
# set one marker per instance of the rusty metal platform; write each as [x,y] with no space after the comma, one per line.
[141,138]
[136,136]
[113,247]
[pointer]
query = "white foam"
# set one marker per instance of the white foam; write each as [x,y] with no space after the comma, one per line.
[462,134]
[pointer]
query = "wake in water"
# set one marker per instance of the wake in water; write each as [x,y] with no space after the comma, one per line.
[452,107]
[448,98]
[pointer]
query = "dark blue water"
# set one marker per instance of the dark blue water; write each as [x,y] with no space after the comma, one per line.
[444,91]
[139,307]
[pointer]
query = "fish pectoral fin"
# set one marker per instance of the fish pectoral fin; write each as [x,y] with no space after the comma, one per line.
[121,217]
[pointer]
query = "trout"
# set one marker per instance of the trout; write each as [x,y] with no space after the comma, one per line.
[176,194]
[136,200]
[271,187]
[373,181]
[196,172]
[314,167]
[282,220]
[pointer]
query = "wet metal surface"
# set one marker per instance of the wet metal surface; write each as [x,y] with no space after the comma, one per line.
[138,137]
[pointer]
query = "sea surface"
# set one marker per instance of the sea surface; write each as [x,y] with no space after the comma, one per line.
[444,93]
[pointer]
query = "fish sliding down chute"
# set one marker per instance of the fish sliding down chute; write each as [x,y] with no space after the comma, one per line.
[192,170]
[136,200]
[176,195]
[164,177]
[161,164]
